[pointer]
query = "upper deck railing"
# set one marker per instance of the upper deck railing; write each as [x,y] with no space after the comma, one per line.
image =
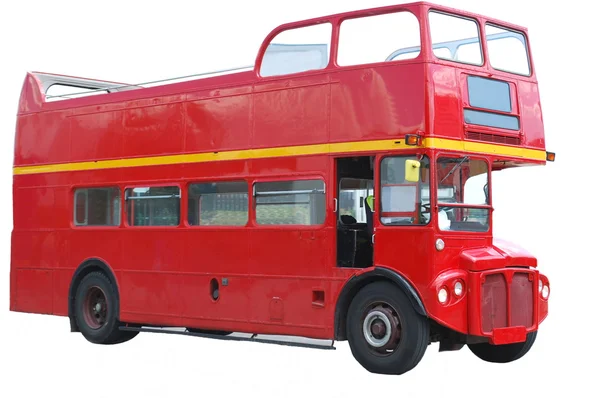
[94,87]
[454,45]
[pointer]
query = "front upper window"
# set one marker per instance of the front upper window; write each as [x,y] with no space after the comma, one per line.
[457,38]
[462,190]
[507,50]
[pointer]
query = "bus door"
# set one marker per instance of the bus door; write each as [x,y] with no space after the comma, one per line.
[402,213]
[354,202]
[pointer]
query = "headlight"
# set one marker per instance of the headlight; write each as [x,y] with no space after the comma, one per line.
[443,295]
[541,285]
[458,288]
[545,291]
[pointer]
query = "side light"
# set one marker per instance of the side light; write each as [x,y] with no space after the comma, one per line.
[443,295]
[412,139]
[458,288]
[439,244]
[550,156]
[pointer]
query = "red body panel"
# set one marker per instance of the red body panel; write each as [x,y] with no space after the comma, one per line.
[281,279]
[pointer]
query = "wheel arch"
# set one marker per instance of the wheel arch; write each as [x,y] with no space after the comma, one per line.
[357,282]
[85,268]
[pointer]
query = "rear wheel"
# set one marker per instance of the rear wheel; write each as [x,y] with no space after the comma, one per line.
[96,311]
[503,353]
[385,333]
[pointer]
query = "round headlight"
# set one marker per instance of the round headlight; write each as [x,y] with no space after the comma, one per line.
[439,244]
[443,295]
[545,291]
[458,288]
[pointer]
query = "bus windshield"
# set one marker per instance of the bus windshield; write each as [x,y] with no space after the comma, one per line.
[465,204]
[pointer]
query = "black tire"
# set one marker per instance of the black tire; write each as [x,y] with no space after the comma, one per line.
[206,331]
[409,332]
[97,310]
[503,353]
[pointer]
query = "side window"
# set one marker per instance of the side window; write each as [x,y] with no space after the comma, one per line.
[402,202]
[153,206]
[353,193]
[97,206]
[455,38]
[378,38]
[220,203]
[507,50]
[57,92]
[290,202]
[298,50]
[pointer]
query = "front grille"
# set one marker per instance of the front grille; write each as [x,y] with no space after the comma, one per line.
[497,298]
[521,300]
[493,303]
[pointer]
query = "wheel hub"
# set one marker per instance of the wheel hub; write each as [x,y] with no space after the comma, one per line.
[378,329]
[381,329]
[95,308]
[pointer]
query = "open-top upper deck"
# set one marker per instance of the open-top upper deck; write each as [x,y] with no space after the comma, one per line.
[459,80]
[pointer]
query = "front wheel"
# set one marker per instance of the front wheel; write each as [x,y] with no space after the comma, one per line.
[385,333]
[503,353]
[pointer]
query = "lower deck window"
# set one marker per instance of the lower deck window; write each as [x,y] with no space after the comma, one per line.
[153,206]
[97,206]
[290,202]
[221,203]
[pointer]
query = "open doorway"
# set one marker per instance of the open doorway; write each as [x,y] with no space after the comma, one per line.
[354,182]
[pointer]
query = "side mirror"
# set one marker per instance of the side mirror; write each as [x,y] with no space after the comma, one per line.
[411,170]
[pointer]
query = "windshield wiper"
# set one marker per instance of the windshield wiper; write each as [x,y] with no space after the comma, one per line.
[456,166]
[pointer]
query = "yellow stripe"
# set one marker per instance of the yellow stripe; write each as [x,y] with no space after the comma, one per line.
[480,147]
[318,149]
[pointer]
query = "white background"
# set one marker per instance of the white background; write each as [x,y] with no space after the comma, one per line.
[552,211]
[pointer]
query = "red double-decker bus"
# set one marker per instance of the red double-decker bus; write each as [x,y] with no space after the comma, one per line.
[339,189]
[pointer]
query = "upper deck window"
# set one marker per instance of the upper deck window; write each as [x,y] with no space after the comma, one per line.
[507,50]
[58,92]
[395,36]
[297,50]
[455,38]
